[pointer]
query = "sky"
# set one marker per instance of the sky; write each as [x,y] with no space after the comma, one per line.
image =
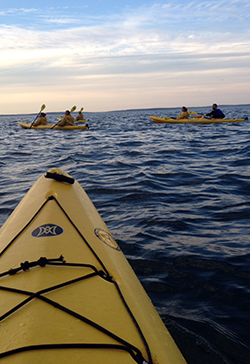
[118,55]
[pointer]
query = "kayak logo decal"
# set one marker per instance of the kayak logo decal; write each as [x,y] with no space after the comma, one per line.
[47,230]
[107,238]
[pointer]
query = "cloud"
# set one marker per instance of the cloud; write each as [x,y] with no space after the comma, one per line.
[165,45]
[17,11]
[70,46]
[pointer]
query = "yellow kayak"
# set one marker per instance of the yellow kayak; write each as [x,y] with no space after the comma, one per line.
[200,120]
[82,121]
[67,292]
[51,126]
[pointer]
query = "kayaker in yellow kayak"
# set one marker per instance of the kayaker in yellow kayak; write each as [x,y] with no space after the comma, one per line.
[79,116]
[67,119]
[42,120]
[183,115]
[215,113]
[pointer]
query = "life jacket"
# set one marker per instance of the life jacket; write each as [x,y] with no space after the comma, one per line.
[67,120]
[41,121]
[220,114]
[79,117]
[183,115]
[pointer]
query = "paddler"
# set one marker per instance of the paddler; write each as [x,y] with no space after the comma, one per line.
[67,119]
[79,116]
[215,113]
[183,115]
[42,120]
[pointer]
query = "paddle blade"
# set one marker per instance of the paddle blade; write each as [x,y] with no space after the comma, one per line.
[58,117]
[192,112]
[43,107]
[73,109]
[81,109]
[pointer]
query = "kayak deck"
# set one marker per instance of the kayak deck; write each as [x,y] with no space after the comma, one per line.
[53,126]
[161,120]
[71,292]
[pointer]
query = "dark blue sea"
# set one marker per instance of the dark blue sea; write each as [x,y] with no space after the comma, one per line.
[176,199]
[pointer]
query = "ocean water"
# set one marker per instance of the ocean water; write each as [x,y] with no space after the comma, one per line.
[176,199]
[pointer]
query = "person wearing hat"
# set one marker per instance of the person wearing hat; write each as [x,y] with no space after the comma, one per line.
[42,120]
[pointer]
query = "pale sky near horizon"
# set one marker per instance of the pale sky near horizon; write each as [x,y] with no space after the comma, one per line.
[116,55]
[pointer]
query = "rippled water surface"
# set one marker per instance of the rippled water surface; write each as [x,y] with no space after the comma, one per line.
[175,197]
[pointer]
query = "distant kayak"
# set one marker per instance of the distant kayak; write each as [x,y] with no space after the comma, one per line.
[68,294]
[50,126]
[200,120]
